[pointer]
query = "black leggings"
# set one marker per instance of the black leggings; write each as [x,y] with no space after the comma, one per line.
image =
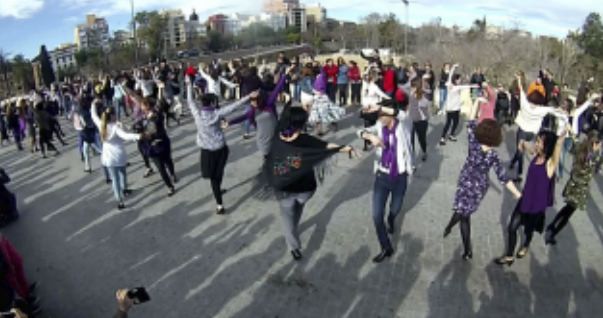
[465,229]
[343,93]
[419,128]
[514,224]
[332,91]
[164,164]
[216,186]
[356,89]
[145,158]
[562,218]
[45,137]
[56,129]
[451,118]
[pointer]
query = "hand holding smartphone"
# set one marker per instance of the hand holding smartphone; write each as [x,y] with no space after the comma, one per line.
[138,295]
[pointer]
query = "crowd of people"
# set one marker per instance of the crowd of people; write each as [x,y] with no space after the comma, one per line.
[287,107]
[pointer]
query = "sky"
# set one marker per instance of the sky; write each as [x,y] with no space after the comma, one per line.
[27,24]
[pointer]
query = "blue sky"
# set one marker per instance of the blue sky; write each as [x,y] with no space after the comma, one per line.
[26,24]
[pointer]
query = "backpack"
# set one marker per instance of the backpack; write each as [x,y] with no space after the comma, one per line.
[502,101]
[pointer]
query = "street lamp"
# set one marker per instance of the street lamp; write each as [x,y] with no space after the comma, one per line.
[134,33]
[406,3]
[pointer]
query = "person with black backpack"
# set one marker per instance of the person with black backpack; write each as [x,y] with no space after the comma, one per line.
[502,108]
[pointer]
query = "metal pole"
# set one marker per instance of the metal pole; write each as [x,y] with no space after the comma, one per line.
[134,33]
[406,32]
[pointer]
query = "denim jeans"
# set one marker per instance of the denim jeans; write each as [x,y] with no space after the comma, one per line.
[119,181]
[443,97]
[247,124]
[384,187]
[296,92]
[86,153]
[118,104]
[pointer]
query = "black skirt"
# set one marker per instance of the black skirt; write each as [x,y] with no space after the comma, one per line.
[213,162]
[532,222]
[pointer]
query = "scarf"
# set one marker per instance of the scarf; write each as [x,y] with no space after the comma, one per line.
[389,158]
[286,164]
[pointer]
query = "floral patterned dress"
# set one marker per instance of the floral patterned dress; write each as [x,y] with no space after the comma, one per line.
[324,111]
[473,180]
[577,188]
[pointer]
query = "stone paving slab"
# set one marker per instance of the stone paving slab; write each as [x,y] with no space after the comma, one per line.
[197,264]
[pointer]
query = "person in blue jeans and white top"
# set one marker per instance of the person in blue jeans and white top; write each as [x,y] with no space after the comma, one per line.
[393,164]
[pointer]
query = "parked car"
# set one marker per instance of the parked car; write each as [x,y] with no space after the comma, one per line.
[193,52]
[183,54]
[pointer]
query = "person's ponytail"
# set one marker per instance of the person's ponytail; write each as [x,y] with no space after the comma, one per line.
[103,127]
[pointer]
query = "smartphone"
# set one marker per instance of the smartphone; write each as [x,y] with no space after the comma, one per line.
[139,295]
[7,315]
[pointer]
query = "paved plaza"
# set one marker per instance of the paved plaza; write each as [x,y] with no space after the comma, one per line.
[195,263]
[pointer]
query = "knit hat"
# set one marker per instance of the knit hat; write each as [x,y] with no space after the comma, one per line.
[320,84]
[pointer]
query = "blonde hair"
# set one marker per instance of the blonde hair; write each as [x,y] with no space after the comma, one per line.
[103,127]
[105,118]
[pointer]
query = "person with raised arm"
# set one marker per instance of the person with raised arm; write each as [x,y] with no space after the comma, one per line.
[473,182]
[587,160]
[453,104]
[263,113]
[537,195]
[290,169]
[529,120]
[209,119]
[156,143]
[393,165]
[114,156]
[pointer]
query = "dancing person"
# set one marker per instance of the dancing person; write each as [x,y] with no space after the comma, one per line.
[529,120]
[324,112]
[87,133]
[453,105]
[587,161]
[31,127]
[44,123]
[114,156]
[473,182]
[372,96]
[210,137]
[488,102]
[263,114]
[13,124]
[566,107]
[290,170]
[155,141]
[537,195]
[214,82]
[418,108]
[393,165]
[306,82]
